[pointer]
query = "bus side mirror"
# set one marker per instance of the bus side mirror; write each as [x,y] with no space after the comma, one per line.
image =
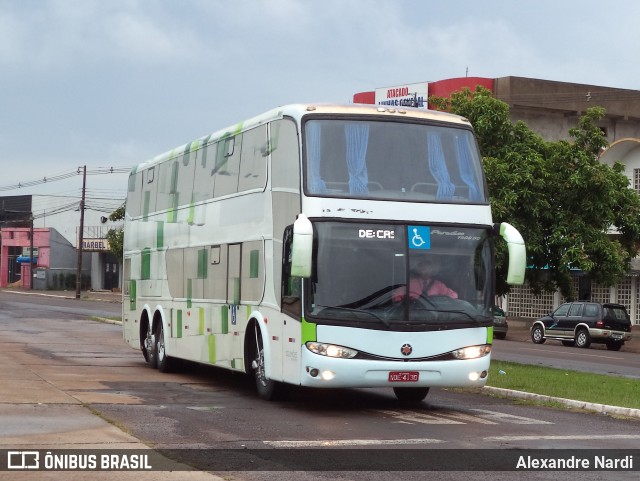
[517,253]
[302,248]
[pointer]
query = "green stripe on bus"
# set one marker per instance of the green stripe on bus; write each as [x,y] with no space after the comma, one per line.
[490,335]
[192,210]
[145,265]
[201,321]
[179,328]
[145,205]
[212,348]
[236,290]
[203,263]
[308,331]
[254,263]
[174,178]
[203,157]
[189,292]
[224,319]
[172,215]
[132,295]
[159,234]
[185,155]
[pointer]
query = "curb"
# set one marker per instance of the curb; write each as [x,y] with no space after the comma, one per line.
[595,407]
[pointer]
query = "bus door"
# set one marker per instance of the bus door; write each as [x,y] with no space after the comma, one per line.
[291,313]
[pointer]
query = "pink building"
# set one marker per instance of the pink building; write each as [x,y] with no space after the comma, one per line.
[51,268]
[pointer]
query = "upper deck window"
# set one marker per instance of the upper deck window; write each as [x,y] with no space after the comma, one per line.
[392,161]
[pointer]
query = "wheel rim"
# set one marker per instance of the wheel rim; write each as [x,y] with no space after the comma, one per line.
[537,334]
[581,339]
[160,345]
[148,343]
[259,369]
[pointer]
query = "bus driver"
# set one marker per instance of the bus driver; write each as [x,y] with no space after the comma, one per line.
[423,282]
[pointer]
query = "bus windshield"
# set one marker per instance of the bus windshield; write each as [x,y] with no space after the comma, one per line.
[392,161]
[400,277]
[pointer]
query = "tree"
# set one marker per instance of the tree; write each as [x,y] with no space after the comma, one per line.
[557,194]
[116,236]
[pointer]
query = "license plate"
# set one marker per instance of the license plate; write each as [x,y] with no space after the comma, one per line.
[617,336]
[404,376]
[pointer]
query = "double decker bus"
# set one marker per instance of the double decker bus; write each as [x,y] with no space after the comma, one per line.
[319,245]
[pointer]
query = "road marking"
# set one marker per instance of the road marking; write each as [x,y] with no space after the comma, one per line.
[560,437]
[455,417]
[508,418]
[418,417]
[350,442]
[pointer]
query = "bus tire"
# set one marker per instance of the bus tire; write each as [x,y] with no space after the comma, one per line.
[266,388]
[165,363]
[148,347]
[411,394]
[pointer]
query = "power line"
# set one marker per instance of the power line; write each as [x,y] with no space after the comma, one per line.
[66,175]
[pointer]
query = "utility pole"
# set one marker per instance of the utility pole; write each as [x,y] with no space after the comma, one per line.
[81,234]
[31,262]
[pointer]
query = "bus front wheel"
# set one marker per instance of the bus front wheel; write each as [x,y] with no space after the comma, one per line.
[267,388]
[411,394]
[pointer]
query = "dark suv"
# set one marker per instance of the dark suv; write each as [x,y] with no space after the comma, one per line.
[581,323]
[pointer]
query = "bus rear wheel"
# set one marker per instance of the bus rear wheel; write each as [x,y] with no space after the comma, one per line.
[411,394]
[148,347]
[165,363]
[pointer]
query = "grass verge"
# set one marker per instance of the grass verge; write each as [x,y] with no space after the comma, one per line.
[580,386]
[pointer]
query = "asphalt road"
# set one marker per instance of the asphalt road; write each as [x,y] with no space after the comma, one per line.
[69,381]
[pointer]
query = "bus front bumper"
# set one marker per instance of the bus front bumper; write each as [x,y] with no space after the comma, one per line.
[327,372]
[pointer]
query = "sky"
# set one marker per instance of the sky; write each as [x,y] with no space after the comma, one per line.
[110,84]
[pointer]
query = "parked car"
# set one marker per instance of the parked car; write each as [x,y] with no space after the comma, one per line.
[581,323]
[500,324]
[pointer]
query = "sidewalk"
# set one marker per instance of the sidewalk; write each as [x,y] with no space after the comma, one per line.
[102,295]
[46,408]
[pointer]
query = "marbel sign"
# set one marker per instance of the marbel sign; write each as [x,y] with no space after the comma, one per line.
[95,245]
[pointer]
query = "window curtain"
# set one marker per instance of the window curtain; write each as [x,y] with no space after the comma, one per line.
[465,164]
[438,166]
[357,137]
[315,184]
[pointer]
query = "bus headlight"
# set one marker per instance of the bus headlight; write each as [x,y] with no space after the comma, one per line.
[331,350]
[472,352]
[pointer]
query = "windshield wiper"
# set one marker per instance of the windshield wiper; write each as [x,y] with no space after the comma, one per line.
[357,311]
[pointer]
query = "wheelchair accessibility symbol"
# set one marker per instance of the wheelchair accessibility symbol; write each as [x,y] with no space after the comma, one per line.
[419,237]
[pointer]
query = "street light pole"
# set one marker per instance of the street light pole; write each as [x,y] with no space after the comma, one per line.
[81,234]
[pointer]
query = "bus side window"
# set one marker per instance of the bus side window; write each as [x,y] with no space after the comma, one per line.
[149,190]
[134,197]
[291,286]
[253,161]
[227,166]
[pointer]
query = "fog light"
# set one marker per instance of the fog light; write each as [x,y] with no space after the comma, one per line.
[474,376]
[328,375]
[313,372]
[483,374]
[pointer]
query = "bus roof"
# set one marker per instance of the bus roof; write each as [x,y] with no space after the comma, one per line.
[298,111]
